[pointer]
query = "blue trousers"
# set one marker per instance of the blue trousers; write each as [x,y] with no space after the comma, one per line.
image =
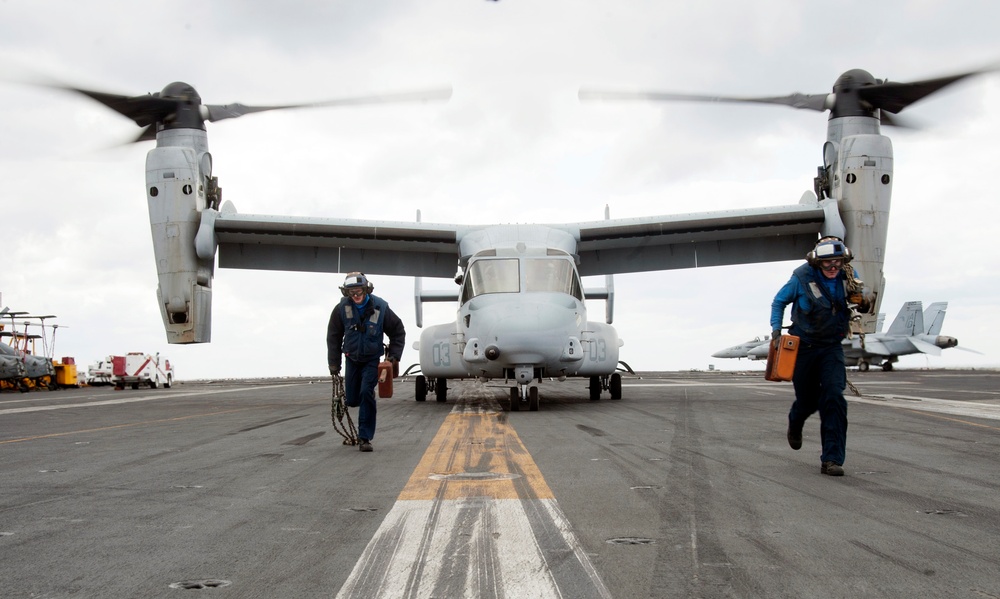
[819,379]
[360,379]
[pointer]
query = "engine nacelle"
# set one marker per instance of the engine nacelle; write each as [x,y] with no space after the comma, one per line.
[176,172]
[441,353]
[864,189]
[600,345]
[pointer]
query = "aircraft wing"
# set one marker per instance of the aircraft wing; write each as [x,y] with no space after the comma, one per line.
[925,347]
[419,249]
[874,347]
[699,239]
[336,245]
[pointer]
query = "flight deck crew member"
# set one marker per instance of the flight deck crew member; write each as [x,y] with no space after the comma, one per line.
[818,292]
[356,328]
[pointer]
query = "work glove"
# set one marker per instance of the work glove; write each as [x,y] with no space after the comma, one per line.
[863,302]
[335,370]
[775,335]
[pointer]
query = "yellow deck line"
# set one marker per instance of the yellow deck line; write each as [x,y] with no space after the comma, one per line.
[474,446]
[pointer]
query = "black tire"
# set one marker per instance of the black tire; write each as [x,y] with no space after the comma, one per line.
[515,400]
[595,388]
[863,366]
[170,381]
[442,389]
[533,399]
[887,367]
[421,388]
[615,386]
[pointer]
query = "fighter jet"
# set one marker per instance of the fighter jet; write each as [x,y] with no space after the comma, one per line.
[908,334]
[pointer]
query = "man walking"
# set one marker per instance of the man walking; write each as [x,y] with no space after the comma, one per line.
[356,329]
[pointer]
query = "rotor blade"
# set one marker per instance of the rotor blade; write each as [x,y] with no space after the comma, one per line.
[894,120]
[819,102]
[228,111]
[894,97]
[144,110]
[148,134]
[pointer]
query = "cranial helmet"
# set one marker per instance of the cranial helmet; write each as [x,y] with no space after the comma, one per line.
[829,248]
[354,280]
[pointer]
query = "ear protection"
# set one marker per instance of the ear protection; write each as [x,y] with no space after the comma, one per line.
[829,248]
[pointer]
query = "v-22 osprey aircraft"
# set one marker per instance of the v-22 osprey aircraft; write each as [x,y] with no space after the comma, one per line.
[521,305]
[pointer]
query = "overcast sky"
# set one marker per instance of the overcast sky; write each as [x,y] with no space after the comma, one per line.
[514,144]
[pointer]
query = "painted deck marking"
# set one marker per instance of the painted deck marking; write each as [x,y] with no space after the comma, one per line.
[476,519]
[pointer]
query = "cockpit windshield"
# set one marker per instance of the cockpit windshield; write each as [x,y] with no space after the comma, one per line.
[499,275]
[503,275]
[552,274]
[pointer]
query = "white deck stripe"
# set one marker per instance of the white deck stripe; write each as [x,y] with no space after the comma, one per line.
[134,398]
[474,547]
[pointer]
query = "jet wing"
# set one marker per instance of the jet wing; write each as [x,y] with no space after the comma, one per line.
[698,239]
[925,347]
[875,347]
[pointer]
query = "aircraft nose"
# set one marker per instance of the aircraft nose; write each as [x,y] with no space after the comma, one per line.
[524,332]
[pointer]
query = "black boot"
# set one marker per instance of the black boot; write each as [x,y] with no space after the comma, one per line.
[794,437]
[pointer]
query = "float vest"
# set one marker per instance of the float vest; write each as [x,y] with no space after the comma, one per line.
[363,339]
[826,319]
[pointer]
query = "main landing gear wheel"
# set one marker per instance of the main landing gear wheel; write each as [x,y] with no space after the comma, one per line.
[442,389]
[533,399]
[421,388]
[615,386]
[863,366]
[515,399]
[612,383]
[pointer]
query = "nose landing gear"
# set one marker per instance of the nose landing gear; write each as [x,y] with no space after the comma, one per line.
[523,392]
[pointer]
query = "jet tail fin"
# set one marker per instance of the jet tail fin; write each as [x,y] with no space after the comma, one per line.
[909,321]
[934,317]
